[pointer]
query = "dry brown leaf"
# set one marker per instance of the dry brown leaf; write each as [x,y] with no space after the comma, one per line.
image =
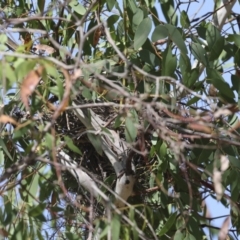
[212,91]
[206,210]
[7,119]
[217,181]
[224,163]
[3,232]
[96,36]
[45,48]
[223,233]
[220,112]
[27,41]
[29,84]
[199,127]
[76,74]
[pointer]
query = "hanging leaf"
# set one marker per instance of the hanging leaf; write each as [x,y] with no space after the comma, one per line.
[71,145]
[130,130]
[169,12]
[142,32]
[96,36]
[216,79]
[137,19]
[168,30]
[96,142]
[5,149]
[160,32]
[77,7]
[168,224]
[223,233]
[185,22]
[215,41]
[199,53]
[132,5]
[41,4]
[189,75]
[110,4]
[65,100]
[178,235]
[115,227]
[29,84]
[149,58]
[169,62]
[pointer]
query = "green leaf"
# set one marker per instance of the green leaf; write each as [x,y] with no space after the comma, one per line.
[216,79]
[168,30]
[115,227]
[212,35]
[60,89]
[24,68]
[110,4]
[169,62]
[118,121]
[178,235]
[163,150]
[77,7]
[4,148]
[204,155]
[234,38]
[112,20]
[104,232]
[1,156]
[199,53]
[192,101]
[130,130]
[3,38]
[54,90]
[235,82]
[96,142]
[37,210]
[149,58]
[142,32]
[184,20]
[169,12]
[10,74]
[34,186]
[189,237]
[72,236]
[41,4]
[50,69]
[234,161]
[8,211]
[160,32]
[132,5]
[189,75]
[49,141]
[86,93]
[184,63]
[168,224]
[215,41]
[137,19]
[236,86]
[71,145]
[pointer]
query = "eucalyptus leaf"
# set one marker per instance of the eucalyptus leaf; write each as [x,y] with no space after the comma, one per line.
[142,32]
